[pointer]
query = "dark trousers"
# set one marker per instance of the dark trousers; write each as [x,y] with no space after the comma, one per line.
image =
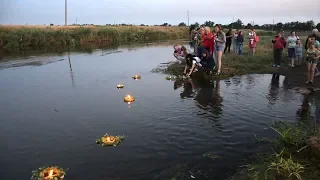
[228,45]
[277,53]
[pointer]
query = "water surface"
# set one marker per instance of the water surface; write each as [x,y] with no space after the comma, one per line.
[53,107]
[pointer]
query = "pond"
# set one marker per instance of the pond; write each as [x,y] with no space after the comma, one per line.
[54,106]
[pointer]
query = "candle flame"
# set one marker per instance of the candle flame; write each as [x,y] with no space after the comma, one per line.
[108,138]
[51,173]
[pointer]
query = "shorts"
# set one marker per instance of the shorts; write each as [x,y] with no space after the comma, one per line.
[291,52]
[219,48]
[312,61]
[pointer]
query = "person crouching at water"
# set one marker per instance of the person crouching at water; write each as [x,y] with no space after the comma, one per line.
[278,44]
[207,62]
[239,41]
[192,63]
[180,53]
[220,41]
[312,57]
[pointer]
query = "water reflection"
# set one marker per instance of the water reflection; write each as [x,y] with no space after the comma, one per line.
[209,98]
[188,88]
[274,89]
[71,72]
[304,112]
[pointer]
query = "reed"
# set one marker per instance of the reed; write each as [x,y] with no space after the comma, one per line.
[24,37]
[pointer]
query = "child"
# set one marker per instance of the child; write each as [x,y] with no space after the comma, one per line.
[191,62]
[312,57]
[298,52]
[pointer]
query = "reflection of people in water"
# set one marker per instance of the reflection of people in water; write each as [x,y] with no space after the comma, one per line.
[304,112]
[209,95]
[274,89]
[189,88]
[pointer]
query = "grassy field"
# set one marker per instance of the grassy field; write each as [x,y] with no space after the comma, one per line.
[13,37]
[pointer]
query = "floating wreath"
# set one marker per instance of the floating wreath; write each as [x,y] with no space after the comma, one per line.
[171,78]
[108,140]
[136,77]
[120,86]
[48,173]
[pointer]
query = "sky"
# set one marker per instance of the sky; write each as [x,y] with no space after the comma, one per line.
[37,12]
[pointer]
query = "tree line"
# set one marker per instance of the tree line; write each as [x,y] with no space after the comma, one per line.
[238,24]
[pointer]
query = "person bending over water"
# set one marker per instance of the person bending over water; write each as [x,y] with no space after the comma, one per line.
[220,41]
[192,63]
[180,53]
[207,62]
[312,57]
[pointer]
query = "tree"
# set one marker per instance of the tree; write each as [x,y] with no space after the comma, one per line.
[238,24]
[318,26]
[182,24]
[164,24]
[208,23]
[193,26]
[248,26]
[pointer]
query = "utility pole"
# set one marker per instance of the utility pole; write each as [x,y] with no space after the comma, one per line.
[188,17]
[76,20]
[232,22]
[65,16]
[272,24]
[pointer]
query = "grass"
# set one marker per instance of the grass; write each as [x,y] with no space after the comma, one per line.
[24,37]
[292,162]
[237,65]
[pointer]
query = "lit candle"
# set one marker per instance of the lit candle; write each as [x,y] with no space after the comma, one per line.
[51,173]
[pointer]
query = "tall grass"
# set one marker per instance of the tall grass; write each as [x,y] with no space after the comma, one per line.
[28,37]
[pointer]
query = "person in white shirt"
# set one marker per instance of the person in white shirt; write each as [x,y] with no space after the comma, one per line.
[192,62]
[292,43]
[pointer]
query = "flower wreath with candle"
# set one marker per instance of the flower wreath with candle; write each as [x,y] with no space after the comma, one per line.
[171,78]
[49,173]
[108,140]
[136,77]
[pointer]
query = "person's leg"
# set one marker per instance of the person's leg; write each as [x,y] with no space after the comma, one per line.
[240,49]
[280,57]
[275,60]
[229,46]
[225,48]
[253,51]
[312,69]
[309,69]
[219,57]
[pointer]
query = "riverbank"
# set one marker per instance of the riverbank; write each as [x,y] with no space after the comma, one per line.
[234,65]
[296,154]
[27,37]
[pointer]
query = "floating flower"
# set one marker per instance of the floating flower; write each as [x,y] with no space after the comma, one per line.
[136,77]
[48,173]
[128,99]
[119,86]
[107,140]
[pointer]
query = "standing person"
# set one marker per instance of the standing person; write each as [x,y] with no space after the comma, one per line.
[252,41]
[199,42]
[312,57]
[314,35]
[239,41]
[235,43]
[298,52]
[207,39]
[220,41]
[228,41]
[278,45]
[292,42]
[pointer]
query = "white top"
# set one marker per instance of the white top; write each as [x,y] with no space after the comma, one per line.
[196,60]
[292,41]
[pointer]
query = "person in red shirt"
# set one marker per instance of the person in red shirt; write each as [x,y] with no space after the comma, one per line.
[279,43]
[207,40]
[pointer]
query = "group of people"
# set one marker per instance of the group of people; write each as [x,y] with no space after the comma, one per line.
[210,46]
[295,51]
